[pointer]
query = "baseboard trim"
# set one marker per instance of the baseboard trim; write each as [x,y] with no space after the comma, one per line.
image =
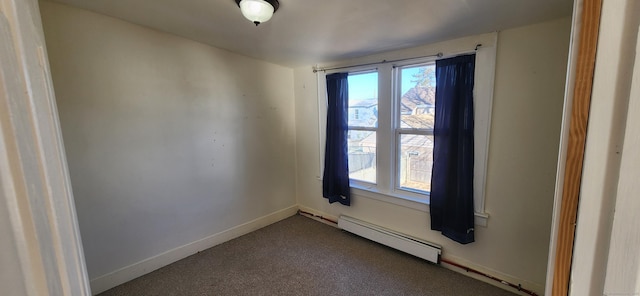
[537,288]
[125,274]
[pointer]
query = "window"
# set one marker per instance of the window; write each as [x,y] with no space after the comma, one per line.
[393,164]
[363,104]
[406,138]
[414,127]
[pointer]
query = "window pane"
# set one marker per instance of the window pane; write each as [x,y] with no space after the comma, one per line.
[417,103]
[416,160]
[362,155]
[363,100]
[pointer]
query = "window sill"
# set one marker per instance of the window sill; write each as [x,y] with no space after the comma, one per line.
[405,201]
[481,219]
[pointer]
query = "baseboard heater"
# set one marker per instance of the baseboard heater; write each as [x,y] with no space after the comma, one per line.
[405,243]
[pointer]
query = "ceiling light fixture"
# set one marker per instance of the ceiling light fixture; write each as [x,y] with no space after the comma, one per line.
[258,11]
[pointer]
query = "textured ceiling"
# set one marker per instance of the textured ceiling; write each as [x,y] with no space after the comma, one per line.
[304,32]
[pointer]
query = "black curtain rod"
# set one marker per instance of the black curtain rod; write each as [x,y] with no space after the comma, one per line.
[438,55]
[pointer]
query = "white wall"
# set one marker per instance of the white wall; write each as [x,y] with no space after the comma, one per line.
[623,264]
[527,109]
[168,141]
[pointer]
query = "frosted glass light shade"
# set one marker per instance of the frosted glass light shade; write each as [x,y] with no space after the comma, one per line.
[257,11]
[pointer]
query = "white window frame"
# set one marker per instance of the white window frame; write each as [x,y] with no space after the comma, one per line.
[397,130]
[375,129]
[383,190]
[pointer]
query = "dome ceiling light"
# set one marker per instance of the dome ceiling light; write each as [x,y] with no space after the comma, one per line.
[258,11]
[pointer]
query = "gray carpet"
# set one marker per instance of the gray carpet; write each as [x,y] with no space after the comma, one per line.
[300,256]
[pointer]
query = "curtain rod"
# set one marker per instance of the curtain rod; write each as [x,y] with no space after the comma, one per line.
[438,55]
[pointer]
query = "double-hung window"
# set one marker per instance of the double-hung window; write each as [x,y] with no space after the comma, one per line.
[390,138]
[414,100]
[363,126]
[391,119]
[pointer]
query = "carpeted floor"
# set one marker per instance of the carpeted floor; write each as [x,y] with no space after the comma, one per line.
[300,256]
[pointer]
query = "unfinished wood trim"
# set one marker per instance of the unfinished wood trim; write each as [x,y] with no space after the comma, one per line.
[589,28]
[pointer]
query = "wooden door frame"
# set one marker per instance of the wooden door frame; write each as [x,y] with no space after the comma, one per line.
[585,33]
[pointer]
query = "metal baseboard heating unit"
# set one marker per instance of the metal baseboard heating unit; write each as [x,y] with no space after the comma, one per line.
[416,247]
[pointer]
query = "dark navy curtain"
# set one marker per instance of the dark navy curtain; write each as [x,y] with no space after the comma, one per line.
[335,181]
[452,177]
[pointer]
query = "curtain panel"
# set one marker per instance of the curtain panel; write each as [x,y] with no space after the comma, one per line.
[335,181]
[452,176]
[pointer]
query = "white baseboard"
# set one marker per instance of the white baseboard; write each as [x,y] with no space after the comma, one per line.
[125,274]
[537,288]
